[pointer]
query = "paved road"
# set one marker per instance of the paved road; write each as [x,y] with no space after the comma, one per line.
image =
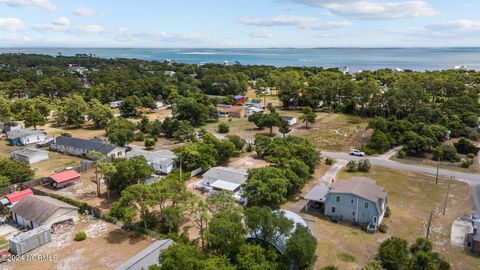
[471,178]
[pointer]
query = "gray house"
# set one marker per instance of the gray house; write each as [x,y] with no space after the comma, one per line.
[162,161]
[25,136]
[82,147]
[222,178]
[29,155]
[357,199]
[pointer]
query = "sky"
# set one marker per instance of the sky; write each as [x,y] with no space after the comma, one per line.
[239,23]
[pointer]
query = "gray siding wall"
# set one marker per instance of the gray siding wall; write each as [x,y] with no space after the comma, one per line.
[350,207]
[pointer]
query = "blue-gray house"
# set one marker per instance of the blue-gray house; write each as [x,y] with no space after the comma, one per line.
[359,200]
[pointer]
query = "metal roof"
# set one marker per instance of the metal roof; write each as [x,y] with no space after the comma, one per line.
[19,133]
[318,193]
[148,256]
[28,152]
[64,176]
[39,208]
[18,195]
[220,184]
[163,157]
[236,176]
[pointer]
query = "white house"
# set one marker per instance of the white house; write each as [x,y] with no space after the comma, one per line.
[25,136]
[29,155]
[252,109]
[162,161]
[290,119]
[222,178]
[115,104]
[34,211]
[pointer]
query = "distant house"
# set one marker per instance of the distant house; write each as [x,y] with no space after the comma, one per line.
[29,155]
[222,178]
[240,99]
[290,119]
[64,178]
[252,109]
[25,136]
[82,147]
[279,241]
[4,127]
[357,199]
[230,111]
[115,104]
[147,257]
[34,211]
[169,73]
[14,197]
[162,161]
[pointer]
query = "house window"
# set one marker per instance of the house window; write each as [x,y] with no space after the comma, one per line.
[338,198]
[353,213]
[352,201]
[333,209]
[366,204]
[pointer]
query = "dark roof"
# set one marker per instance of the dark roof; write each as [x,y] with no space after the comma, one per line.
[88,145]
[39,208]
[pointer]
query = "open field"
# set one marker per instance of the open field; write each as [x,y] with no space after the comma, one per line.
[336,132]
[46,167]
[410,196]
[474,168]
[106,247]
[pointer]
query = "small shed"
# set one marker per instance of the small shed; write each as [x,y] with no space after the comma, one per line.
[27,241]
[16,196]
[29,155]
[240,99]
[64,178]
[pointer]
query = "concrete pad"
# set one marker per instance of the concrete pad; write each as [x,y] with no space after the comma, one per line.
[460,228]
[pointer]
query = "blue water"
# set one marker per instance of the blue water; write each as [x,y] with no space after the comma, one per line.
[355,58]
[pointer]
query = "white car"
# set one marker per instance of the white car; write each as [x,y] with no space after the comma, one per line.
[356,152]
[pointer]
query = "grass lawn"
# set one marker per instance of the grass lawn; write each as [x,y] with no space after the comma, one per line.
[410,197]
[474,168]
[47,167]
[336,132]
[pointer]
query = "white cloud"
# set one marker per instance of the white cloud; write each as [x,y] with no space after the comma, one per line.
[43,4]
[11,24]
[85,12]
[298,21]
[372,9]
[89,29]
[262,33]
[458,29]
[455,26]
[61,21]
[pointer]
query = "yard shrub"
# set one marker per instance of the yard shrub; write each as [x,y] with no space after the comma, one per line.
[388,212]
[149,143]
[223,128]
[329,161]
[140,136]
[346,257]
[329,267]
[466,163]
[66,134]
[382,228]
[80,236]
[402,154]
[352,166]
[465,146]
[364,165]
[471,155]
[446,153]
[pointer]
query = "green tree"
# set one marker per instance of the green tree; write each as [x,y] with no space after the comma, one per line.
[223,128]
[184,132]
[308,116]
[266,224]
[14,171]
[254,257]
[182,257]
[4,181]
[393,254]
[284,128]
[379,142]
[300,249]
[134,201]
[225,233]
[266,186]
[33,117]
[119,131]
[373,265]
[128,172]
[130,106]
[100,114]
[195,155]
[97,157]
[149,143]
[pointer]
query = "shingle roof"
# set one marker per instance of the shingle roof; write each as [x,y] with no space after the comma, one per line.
[88,145]
[39,208]
[19,133]
[236,176]
[362,187]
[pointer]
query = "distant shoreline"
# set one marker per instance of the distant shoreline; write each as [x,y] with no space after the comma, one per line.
[355,58]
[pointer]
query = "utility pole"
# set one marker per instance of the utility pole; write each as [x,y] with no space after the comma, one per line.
[452,178]
[181,179]
[429,223]
[438,168]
